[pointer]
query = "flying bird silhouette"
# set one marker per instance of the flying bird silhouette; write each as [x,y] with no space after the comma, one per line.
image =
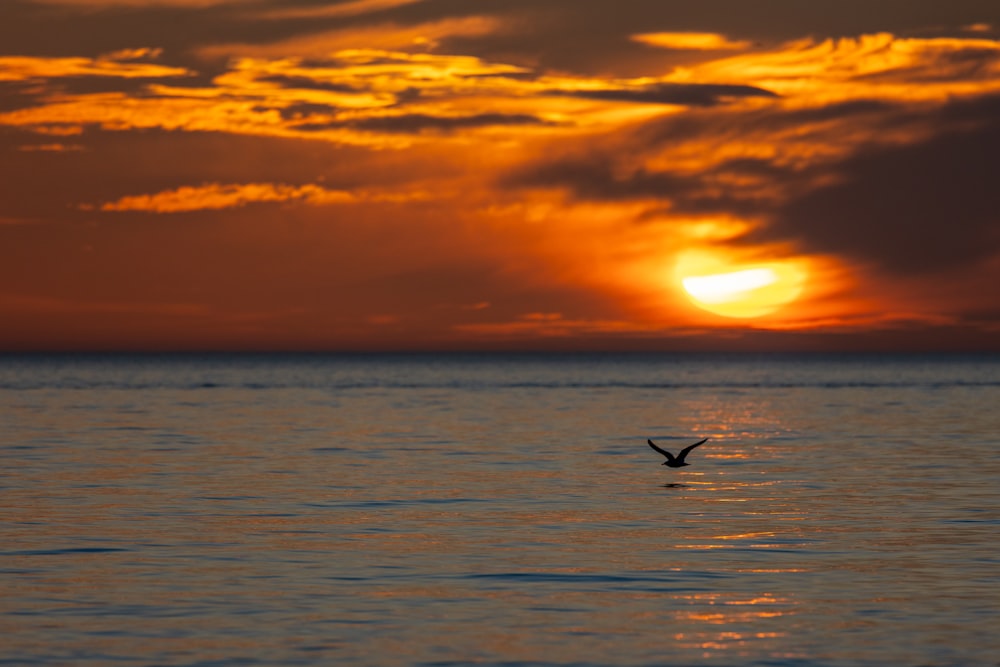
[676,461]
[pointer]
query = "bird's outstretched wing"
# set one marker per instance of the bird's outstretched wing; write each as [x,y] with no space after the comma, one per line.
[670,457]
[684,452]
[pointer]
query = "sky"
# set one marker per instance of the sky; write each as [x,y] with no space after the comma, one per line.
[499,174]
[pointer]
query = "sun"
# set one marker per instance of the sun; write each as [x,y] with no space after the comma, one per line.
[739,290]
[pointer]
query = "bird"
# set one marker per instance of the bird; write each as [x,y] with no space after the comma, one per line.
[676,461]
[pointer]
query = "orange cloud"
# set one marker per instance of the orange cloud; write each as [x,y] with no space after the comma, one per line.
[879,66]
[116,65]
[342,98]
[339,97]
[693,41]
[218,196]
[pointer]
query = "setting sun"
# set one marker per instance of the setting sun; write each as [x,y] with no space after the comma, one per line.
[739,291]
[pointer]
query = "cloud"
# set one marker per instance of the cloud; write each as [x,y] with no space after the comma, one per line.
[421,122]
[771,145]
[978,28]
[367,97]
[214,196]
[343,9]
[290,97]
[217,196]
[386,36]
[595,177]
[692,94]
[912,209]
[877,66]
[695,41]
[115,65]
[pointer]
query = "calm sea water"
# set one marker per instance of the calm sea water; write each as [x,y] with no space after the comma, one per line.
[499,510]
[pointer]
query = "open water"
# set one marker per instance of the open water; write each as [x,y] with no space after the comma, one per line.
[499,510]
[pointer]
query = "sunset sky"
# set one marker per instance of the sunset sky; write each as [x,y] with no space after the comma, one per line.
[499,174]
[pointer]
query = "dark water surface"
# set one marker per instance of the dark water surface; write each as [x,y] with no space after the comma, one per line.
[439,510]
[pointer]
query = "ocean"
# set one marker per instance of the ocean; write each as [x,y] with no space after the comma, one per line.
[499,510]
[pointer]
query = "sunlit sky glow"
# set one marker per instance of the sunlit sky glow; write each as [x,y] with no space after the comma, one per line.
[418,174]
